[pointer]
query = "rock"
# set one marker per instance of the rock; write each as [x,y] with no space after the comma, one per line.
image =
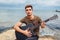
[10,35]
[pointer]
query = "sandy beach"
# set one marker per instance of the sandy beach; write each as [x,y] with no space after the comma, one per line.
[10,35]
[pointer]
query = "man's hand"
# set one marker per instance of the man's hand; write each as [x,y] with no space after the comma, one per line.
[43,24]
[27,33]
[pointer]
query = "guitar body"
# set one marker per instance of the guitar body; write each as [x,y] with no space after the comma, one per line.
[21,36]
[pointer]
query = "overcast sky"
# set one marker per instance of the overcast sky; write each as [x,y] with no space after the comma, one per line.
[36,3]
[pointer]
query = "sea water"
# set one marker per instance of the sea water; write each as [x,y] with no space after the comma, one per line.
[9,17]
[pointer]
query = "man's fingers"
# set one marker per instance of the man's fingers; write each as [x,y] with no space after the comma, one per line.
[28,29]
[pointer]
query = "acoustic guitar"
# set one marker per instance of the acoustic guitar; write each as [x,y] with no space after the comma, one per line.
[31,28]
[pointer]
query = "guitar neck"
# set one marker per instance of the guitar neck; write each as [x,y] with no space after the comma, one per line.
[51,18]
[46,20]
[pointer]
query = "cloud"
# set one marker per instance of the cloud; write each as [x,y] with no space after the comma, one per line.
[38,2]
[12,1]
[44,2]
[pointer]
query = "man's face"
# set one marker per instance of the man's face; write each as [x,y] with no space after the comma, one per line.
[28,11]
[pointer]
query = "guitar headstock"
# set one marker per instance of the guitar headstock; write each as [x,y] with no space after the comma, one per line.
[53,17]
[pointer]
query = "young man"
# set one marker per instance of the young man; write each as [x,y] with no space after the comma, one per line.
[29,18]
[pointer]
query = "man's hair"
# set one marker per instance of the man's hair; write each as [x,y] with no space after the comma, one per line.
[27,6]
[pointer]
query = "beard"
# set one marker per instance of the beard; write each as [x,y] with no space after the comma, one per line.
[29,14]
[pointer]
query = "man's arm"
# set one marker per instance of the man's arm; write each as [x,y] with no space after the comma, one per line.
[17,27]
[25,32]
[43,24]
